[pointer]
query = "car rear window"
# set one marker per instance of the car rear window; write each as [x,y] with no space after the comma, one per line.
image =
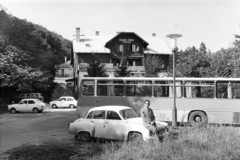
[69,99]
[31,102]
[111,115]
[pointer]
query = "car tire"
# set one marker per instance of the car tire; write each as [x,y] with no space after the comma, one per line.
[71,106]
[85,137]
[54,106]
[197,118]
[135,136]
[35,110]
[13,111]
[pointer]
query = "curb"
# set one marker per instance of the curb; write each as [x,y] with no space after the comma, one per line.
[59,110]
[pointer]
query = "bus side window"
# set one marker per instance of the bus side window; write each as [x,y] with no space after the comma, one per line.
[139,88]
[199,89]
[110,88]
[230,90]
[87,88]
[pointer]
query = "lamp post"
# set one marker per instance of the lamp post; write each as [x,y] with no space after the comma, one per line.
[173,38]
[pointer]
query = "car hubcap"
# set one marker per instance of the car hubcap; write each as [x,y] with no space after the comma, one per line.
[198,119]
[84,136]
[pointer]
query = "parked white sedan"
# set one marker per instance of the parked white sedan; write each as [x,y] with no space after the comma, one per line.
[65,101]
[111,122]
[27,105]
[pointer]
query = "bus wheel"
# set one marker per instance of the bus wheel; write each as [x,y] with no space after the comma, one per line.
[197,118]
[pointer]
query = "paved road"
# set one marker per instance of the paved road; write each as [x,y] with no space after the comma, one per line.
[16,129]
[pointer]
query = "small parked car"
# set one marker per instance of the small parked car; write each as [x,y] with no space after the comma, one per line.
[65,101]
[112,122]
[27,105]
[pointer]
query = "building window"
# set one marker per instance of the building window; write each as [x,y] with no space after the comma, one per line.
[127,47]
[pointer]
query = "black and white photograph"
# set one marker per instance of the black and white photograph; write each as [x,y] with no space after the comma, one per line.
[119,79]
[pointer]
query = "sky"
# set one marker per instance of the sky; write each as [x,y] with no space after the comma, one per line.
[213,22]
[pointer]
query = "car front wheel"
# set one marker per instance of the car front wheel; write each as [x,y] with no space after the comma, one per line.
[54,106]
[13,110]
[85,137]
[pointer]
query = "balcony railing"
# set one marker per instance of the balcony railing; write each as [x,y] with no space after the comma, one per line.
[110,67]
[64,75]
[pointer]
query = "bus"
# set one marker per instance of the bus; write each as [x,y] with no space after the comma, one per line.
[198,100]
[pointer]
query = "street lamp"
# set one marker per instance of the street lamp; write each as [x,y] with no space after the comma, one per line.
[173,38]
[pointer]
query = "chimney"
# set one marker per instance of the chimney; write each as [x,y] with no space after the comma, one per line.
[97,33]
[77,34]
[65,59]
[118,32]
[154,34]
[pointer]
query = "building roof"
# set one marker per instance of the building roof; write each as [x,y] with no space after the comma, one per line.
[97,43]
[127,31]
[92,44]
[65,65]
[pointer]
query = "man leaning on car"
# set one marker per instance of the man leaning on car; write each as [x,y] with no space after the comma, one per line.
[149,118]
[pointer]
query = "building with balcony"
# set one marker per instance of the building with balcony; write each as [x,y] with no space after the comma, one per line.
[125,44]
[63,80]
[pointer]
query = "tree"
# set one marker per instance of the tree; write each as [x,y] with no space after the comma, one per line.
[122,69]
[96,68]
[203,48]
[226,63]
[14,74]
[153,65]
[29,54]
[193,62]
[237,42]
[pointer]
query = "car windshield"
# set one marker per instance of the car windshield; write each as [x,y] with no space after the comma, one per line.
[128,113]
[38,100]
[35,95]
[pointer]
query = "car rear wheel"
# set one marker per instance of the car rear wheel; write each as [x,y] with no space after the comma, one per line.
[35,110]
[71,106]
[13,110]
[85,137]
[54,106]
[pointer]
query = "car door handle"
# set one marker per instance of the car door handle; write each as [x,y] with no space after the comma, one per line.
[91,121]
[106,122]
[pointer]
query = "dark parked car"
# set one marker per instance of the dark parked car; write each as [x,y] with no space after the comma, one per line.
[30,95]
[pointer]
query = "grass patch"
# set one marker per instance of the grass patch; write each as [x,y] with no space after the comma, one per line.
[190,143]
[44,151]
[211,142]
